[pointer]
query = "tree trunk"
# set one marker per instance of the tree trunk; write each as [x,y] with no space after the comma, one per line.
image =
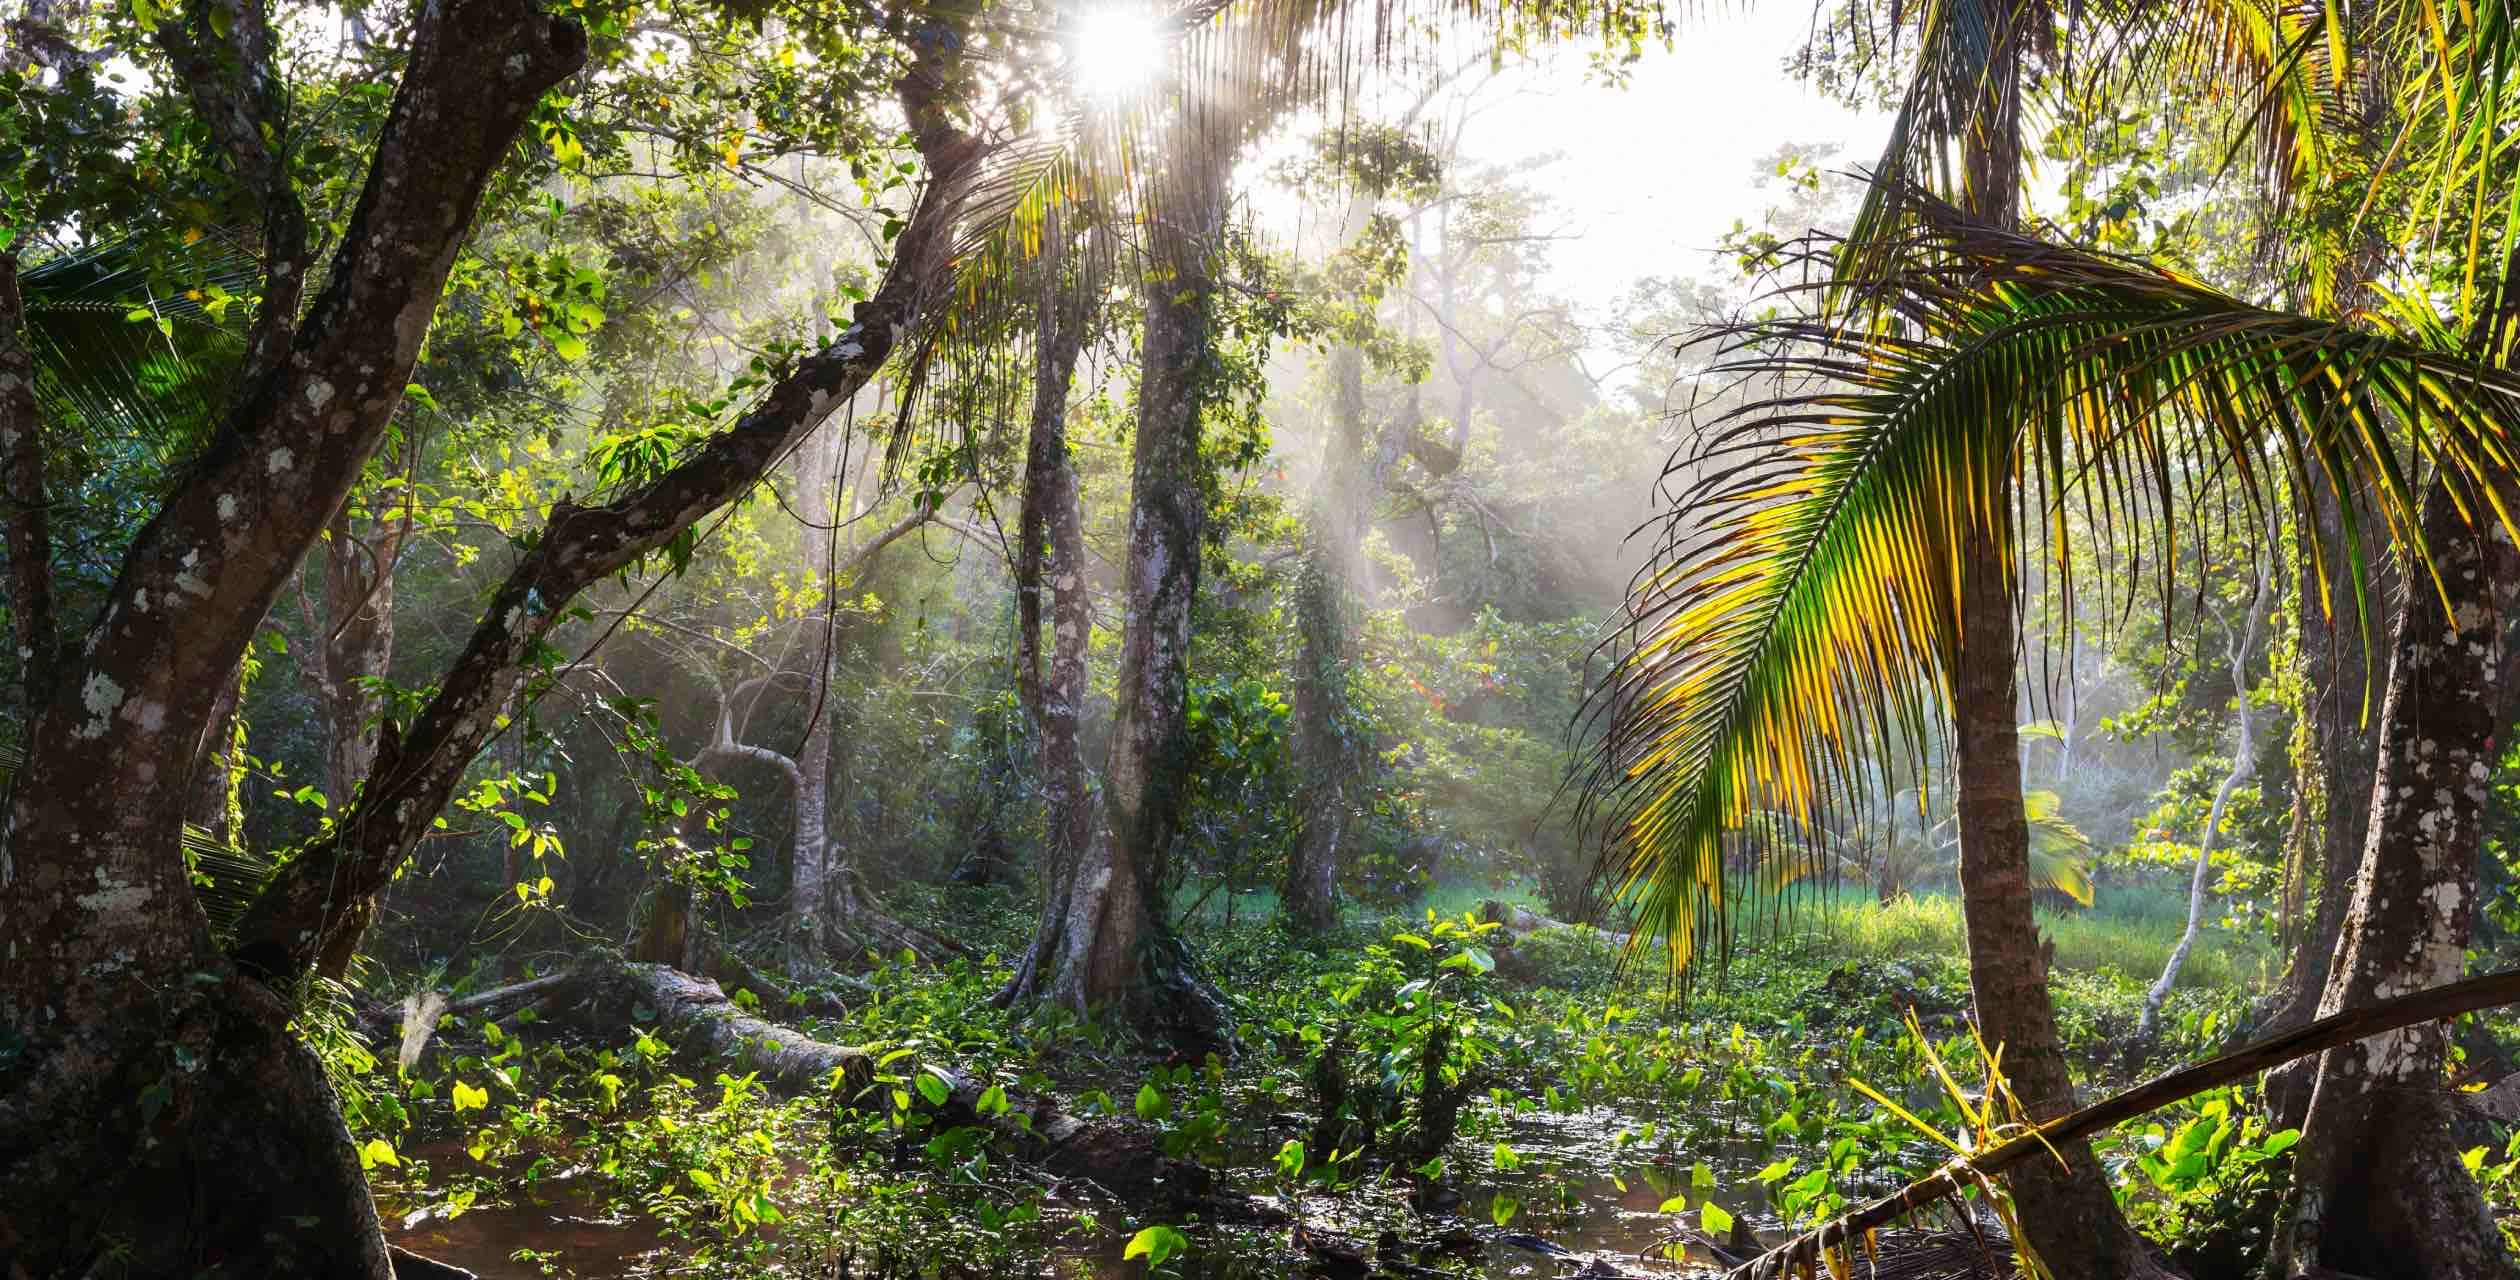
[152,1098]
[2243,766]
[2336,661]
[27,516]
[1325,758]
[355,646]
[826,905]
[2069,1217]
[1052,967]
[1104,944]
[316,896]
[809,844]
[2378,1186]
[216,764]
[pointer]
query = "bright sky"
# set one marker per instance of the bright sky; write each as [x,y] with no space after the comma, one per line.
[1650,176]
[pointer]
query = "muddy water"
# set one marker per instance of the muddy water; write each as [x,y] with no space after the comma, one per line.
[563,1221]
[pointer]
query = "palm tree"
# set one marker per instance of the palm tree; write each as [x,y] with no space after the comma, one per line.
[2316,82]
[1812,606]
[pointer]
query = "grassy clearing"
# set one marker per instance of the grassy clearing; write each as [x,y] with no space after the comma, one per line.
[2130,934]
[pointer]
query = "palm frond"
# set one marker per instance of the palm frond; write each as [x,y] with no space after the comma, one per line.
[2060,854]
[132,346]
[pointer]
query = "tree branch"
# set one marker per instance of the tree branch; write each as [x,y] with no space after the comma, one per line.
[324,892]
[223,51]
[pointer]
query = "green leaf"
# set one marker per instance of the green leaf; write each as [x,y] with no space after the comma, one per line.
[1290,1160]
[1151,1104]
[1155,1244]
[933,1088]
[1713,1219]
[1507,1159]
[1676,1204]
[992,1101]
[469,1098]
[1502,1209]
[377,1151]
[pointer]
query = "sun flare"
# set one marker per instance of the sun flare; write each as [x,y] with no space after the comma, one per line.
[1115,51]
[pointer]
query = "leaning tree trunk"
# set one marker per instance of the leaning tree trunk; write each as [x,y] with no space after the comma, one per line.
[2336,666]
[1052,969]
[2243,767]
[2068,1215]
[1104,943]
[315,898]
[1326,759]
[2378,1187]
[158,1116]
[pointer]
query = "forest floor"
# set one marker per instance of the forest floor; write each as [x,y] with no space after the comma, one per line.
[1600,1123]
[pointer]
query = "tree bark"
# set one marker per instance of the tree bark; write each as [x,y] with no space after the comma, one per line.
[1052,967]
[2336,622]
[1104,944]
[124,1030]
[32,625]
[809,889]
[2068,1215]
[355,647]
[1326,760]
[2378,1188]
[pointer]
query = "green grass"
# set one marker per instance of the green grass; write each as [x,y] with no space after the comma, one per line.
[2130,933]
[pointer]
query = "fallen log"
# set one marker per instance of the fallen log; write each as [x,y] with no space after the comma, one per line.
[1121,1156]
[1808,1254]
[1520,922]
[695,1016]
